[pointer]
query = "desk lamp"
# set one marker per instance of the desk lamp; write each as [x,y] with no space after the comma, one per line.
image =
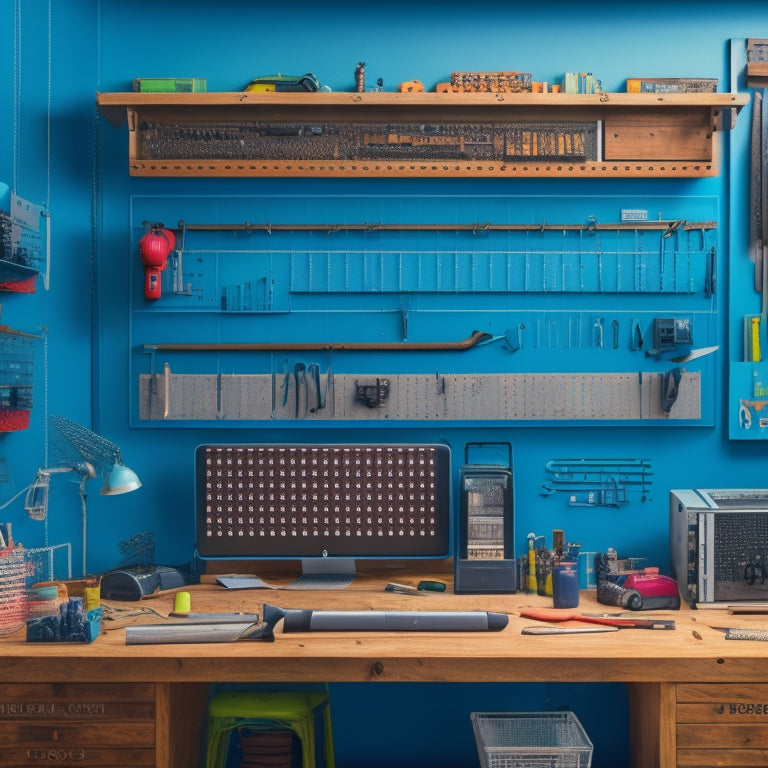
[76,449]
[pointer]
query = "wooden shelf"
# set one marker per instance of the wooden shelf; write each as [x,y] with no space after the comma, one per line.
[757,74]
[422,134]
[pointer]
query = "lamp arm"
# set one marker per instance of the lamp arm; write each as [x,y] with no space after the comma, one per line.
[84,506]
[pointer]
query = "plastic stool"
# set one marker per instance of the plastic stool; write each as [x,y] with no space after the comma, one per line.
[307,715]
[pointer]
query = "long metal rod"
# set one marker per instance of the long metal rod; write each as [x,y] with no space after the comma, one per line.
[470,341]
[269,227]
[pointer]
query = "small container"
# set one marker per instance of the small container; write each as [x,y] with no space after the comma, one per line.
[587,577]
[13,590]
[565,585]
[531,740]
[544,562]
[182,602]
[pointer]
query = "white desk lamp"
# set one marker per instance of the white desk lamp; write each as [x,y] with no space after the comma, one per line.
[77,449]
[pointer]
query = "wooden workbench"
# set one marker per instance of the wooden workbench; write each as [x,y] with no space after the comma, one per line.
[690,690]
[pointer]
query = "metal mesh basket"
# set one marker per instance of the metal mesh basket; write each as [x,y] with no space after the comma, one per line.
[531,740]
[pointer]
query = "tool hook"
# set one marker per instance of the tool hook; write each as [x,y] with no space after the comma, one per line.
[299,372]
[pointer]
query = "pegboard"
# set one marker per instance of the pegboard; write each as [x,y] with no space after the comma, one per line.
[571,286]
[524,397]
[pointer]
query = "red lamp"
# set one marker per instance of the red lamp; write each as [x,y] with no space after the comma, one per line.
[154,247]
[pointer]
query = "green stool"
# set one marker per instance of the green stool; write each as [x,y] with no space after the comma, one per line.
[307,715]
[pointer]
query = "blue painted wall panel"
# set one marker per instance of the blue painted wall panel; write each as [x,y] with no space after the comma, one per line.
[87,313]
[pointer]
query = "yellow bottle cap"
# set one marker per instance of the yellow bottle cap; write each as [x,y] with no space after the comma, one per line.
[182,602]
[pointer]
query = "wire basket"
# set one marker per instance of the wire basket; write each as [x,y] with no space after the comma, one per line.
[13,600]
[531,740]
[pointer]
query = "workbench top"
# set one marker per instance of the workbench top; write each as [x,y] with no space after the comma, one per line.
[692,652]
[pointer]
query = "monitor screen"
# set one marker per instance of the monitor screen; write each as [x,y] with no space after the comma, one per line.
[323,501]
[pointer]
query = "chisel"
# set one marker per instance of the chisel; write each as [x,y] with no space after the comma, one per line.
[548,629]
[153,634]
[735,633]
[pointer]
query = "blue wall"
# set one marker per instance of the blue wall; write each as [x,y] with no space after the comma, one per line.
[86,313]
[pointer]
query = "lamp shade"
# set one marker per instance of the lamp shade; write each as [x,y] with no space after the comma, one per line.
[120,479]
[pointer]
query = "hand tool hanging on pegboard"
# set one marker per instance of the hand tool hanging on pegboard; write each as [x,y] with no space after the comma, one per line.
[754,323]
[759,197]
[763,184]
[475,339]
[755,191]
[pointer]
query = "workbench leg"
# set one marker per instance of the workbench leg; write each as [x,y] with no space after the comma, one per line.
[180,720]
[653,724]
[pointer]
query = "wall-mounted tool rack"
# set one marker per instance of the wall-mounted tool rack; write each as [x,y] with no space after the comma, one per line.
[17,368]
[23,242]
[462,309]
[422,134]
[525,398]
[284,259]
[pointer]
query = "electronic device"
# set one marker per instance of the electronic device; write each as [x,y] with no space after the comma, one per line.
[138,581]
[485,561]
[719,545]
[624,582]
[325,505]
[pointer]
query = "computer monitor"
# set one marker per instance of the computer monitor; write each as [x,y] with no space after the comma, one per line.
[326,505]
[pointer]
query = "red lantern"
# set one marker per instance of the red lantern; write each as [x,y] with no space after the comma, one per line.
[154,247]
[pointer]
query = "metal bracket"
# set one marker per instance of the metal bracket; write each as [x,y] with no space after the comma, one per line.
[373,395]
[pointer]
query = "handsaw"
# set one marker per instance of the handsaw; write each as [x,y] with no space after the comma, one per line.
[557,615]
[693,354]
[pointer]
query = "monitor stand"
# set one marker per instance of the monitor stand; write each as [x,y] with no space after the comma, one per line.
[325,573]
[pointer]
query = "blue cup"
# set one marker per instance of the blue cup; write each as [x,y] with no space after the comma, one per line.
[565,585]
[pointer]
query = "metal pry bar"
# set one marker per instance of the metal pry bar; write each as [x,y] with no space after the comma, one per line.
[416,346]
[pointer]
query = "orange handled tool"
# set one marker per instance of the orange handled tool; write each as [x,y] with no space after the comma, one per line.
[557,615]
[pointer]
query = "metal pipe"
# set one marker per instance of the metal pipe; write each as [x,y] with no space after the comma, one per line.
[269,227]
[416,346]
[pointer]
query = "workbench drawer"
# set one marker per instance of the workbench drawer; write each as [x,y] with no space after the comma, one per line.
[93,724]
[722,725]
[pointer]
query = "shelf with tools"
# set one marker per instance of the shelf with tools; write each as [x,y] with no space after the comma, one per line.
[488,135]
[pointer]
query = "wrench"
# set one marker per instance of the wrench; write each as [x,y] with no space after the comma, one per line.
[299,374]
[313,369]
[598,326]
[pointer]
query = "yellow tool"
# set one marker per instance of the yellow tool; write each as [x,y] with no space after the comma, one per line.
[752,338]
[531,563]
